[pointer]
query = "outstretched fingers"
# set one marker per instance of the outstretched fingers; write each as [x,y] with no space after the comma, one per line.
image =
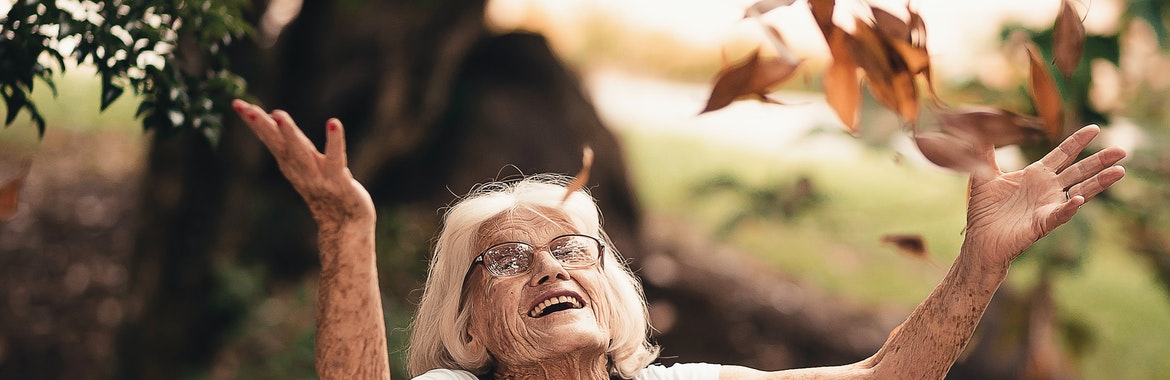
[300,155]
[260,123]
[1067,151]
[1096,184]
[1088,167]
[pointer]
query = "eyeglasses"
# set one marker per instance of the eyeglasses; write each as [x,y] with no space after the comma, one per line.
[515,258]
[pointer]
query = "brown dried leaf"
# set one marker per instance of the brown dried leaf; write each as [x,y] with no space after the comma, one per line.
[951,151]
[918,41]
[10,193]
[749,79]
[909,245]
[822,12]
[994,126]
[764,6]
[1045,97]
[917,60]
[889,25]
[1068,39]
[870,52]
[731,82]
[582,177]
[841,86]
[906,96]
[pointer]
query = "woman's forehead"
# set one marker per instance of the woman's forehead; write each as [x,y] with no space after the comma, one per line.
[524,225]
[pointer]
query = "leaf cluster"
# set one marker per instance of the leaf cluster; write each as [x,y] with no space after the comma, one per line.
[888,54]
[170,52]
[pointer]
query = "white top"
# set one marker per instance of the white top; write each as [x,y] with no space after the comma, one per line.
[681,371]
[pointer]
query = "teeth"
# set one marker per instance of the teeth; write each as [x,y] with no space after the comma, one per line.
[536,311]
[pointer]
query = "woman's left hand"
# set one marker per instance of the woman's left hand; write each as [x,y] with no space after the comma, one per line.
[1007,212]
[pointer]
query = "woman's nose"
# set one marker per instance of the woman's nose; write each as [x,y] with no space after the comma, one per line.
[546,268]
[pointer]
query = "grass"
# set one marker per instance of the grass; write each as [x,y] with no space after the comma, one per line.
[836,246]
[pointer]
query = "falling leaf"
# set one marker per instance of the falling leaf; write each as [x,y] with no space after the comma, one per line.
[10,193]
[582,177]
[1045,97]
[906,93]
[909,245]
[841,86]
[993,125]
[764,6]
[1068,40]
[888,77]
[751,78]
[918,41]
[822,12]
[889,25]
[951,151]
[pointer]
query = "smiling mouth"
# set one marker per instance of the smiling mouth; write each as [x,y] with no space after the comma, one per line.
[555,304]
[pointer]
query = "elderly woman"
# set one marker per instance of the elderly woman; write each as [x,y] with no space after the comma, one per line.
[525,285]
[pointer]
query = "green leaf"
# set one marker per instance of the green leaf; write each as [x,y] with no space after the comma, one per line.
[110,92]
[15,102]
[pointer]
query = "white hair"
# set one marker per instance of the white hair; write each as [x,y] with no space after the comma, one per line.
[439,337]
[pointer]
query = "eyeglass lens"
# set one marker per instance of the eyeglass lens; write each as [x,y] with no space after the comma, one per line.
[509,259]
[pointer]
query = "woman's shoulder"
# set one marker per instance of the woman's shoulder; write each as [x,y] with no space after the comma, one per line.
[680,371]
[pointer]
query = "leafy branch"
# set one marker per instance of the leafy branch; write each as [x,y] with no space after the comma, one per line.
[170,52]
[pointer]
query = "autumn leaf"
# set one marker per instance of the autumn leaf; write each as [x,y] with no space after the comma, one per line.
[913,246]
[582,177]
[889,78]
[918,40]
[10,193]
[995,126]
[1068,40]
[841,86]
[764,6]
[1045,97]
[822,12]
[951,151]
[889,25]
[751,78]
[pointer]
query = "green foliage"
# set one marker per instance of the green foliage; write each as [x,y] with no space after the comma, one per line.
[1152,12]
[171,52]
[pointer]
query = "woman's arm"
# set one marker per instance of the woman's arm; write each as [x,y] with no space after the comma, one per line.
[351,333]
[1006,213]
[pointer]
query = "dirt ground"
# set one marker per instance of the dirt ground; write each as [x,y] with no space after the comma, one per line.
[63,255]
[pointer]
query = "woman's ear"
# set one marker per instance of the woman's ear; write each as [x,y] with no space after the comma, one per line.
[473,344]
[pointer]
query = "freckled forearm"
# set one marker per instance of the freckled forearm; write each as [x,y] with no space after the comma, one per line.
[351,332]
[934,335]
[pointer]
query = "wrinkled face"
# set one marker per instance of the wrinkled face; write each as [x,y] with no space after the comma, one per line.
[544,313]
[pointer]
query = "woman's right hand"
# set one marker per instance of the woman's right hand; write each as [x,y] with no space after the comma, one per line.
[323,180]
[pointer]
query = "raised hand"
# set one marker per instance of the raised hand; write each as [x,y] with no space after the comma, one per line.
[323,180]
[1007,212]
